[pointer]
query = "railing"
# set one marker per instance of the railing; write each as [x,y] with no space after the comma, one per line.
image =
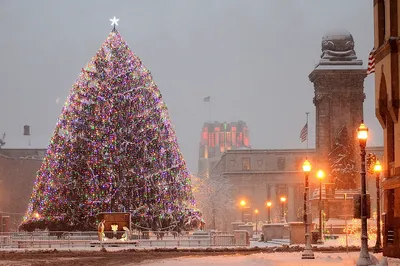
[227,239]
[62,239]
[44,239]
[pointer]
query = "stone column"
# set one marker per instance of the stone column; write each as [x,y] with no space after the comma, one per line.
[338,98]
[272,198]
[291,204]
[272,194]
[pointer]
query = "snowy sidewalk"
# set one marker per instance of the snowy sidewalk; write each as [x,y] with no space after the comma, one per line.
[267,259]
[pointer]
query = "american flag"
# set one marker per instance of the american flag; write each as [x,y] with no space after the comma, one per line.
[207,99]
[371,63]
[304,133]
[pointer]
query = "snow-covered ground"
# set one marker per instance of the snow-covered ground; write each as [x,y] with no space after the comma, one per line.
[267,259]
[264,259]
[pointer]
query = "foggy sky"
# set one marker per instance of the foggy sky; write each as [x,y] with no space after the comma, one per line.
[253,58]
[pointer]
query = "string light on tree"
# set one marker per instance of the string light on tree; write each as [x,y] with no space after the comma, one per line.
[114,149]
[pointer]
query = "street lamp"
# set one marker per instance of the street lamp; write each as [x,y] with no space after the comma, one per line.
[307,253]
[242,203]
[283,200]
[256,212]
[363,259]
[320,175]
[377,171]
[269,204]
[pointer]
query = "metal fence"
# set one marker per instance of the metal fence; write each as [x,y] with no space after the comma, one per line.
[62,239]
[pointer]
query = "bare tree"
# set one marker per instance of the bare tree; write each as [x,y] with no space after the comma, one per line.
[214,198]
[342,160]
[371,160]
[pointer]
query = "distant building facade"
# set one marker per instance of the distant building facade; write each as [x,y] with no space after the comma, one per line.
[261,175]
[18,169]
[217,138]
[387,98]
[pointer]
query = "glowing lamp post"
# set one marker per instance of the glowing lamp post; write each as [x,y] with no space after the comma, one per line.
[283,200]
[307,253]
[377,171]
[242,203]
[269,205]
[320,175]
[364,258]
[256,212]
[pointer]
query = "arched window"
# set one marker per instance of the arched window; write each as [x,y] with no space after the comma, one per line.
[381,22]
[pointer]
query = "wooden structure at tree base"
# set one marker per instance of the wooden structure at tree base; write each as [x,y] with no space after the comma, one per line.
[115,222]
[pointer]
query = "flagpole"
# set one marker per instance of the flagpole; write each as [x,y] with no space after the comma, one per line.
[209,110]
[307,113]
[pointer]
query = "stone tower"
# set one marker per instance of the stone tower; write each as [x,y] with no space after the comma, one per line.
[338,98]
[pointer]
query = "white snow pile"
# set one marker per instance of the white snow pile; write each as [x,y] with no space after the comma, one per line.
[264,259]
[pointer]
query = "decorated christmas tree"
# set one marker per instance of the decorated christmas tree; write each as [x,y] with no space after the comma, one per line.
[342,161]
[113,150]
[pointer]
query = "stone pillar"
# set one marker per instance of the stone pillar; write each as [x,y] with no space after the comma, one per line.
[272,194]
[272,198]
[291,204]
[339,95]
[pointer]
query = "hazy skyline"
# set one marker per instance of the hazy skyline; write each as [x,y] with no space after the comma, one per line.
[252,57]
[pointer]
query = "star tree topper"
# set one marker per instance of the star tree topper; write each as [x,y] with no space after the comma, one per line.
[114,21]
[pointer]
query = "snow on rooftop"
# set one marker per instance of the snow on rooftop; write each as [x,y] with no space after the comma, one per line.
[337,32]
[341,67]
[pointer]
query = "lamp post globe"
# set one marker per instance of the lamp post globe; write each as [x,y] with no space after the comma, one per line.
[377,167]
[306,166]
[362,135]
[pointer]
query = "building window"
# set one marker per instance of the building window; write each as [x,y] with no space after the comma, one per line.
[281,163]
[212,144]
[239,141]
[222,138]
[246,164]
[228,140]
[381,22]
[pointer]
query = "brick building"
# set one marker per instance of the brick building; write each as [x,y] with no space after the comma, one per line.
[18,169]
[387,95]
